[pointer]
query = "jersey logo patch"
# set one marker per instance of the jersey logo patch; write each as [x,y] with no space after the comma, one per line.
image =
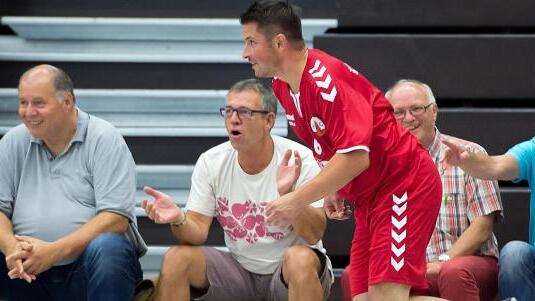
[399,220]
[317,147]
[317,126]
[324,81]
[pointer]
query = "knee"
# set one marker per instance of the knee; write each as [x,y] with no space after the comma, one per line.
[300,261]
[110,246]
[111,254]
[454,272]
[516,255]
[177,260]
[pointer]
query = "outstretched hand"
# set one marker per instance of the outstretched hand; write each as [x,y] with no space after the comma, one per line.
[454,154]
[287,175]
[335,207]
[163,209]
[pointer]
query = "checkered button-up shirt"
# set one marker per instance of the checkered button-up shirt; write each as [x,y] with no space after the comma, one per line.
[464,198]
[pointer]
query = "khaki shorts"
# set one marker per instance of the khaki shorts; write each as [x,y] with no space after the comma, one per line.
[230,281]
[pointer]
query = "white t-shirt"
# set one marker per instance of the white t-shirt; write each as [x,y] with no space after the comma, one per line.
[238,200]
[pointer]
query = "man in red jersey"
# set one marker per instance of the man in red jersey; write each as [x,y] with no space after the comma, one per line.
[366,157]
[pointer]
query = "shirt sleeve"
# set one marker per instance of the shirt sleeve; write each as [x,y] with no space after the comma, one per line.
[7,175]
[524,154]
[202,195]
[114,175]
[348,119]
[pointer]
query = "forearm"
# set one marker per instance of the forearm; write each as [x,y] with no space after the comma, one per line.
[76,242]
[341,169]
[310,224]
[195,229]
[7,238]
[473,237]
[490,167]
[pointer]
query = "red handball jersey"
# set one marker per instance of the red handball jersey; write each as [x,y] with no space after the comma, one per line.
[337,110]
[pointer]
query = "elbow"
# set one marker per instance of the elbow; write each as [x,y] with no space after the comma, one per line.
[121,225]
[366,163]
[192,238]
[315,235]
[195,241]
[312,239]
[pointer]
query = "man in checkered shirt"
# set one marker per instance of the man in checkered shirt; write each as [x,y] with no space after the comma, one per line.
[462,253]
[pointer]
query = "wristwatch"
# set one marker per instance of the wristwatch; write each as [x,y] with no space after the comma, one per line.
[444,257]
[181,222]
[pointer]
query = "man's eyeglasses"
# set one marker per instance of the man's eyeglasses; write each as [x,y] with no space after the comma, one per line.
[415,111]
[243,112]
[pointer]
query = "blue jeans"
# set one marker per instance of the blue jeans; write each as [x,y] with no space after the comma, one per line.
[516,276]
[108,269]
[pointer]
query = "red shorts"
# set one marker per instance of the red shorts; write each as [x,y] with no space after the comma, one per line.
[392,234]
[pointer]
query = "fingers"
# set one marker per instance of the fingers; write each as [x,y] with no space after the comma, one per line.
[26,246]
[154,193]
[18,266]
[147,206]
[286,157]
[274,220]
[151,212]
[30,266]
[335,208]
[454,147]
[18,255]
[271,218]
[269,208]
[14,274]
[339,204]
[297,158]
[27,277]
[27,239]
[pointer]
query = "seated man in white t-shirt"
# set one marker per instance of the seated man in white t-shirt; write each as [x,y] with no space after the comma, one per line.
[234,182]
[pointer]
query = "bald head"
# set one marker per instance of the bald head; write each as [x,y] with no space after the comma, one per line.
[60,81]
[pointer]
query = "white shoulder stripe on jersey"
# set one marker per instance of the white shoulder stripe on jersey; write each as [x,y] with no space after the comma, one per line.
[350,149]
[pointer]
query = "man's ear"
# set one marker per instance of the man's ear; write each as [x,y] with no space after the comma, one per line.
[280,41]
[270,117]
[68,99]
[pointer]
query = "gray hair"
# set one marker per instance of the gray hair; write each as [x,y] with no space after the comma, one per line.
[427,90]
[63,84]
[269,101]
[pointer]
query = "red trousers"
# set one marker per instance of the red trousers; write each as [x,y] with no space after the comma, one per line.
[466,278]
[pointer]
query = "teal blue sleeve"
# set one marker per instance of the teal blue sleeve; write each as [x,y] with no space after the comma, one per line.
[524,153]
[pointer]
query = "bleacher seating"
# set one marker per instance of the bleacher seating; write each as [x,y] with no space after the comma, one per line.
[78,39]
[161,81]
[156,113]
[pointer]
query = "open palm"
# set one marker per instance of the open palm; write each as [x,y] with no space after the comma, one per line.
[163,209]
[287,175]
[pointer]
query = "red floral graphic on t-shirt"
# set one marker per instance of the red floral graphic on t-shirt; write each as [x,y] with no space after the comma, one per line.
[244,220]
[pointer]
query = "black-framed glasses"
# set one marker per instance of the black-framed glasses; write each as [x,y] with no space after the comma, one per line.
[243,112]
[415,111]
